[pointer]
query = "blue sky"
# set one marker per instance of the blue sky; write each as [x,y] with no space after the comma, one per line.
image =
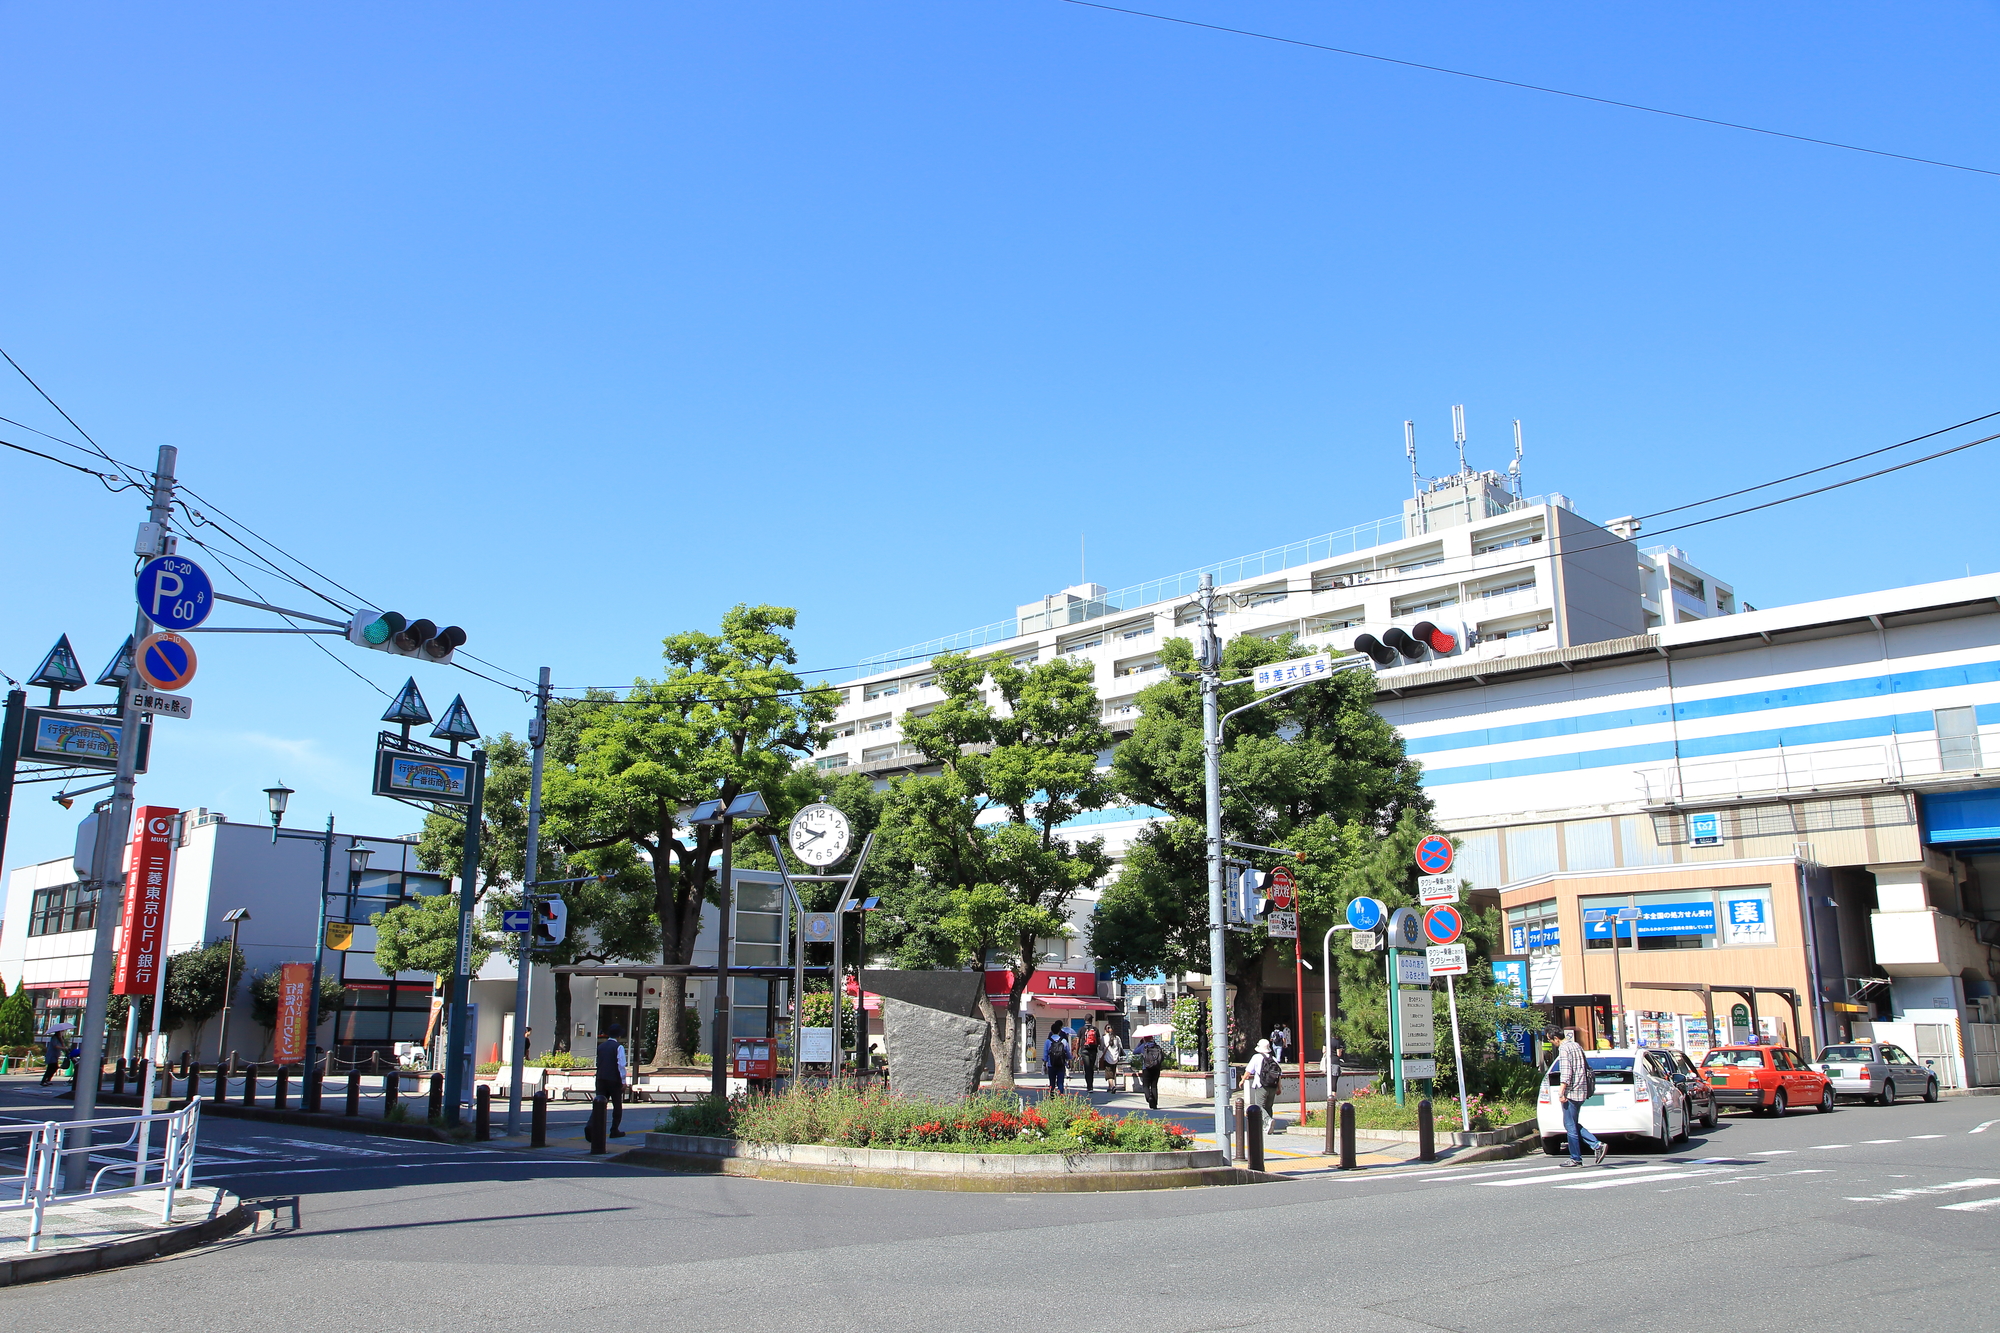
[576,326]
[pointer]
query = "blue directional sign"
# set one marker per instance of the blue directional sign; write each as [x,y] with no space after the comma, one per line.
[174,593]
[519,921]
[1364,913]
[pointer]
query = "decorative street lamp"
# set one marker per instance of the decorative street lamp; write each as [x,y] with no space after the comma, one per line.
[277,798]
[235,917]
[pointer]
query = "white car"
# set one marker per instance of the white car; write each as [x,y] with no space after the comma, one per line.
[1636,1098]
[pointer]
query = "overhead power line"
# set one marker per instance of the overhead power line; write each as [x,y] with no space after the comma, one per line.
[1531,87]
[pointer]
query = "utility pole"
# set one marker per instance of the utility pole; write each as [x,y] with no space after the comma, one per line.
[319,952]
[113,828]
[461,980]
[10,747]
[538,735]
[1209,653]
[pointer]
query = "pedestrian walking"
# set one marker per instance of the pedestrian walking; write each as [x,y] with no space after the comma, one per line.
[1055,1056]
[1114,1059]
[1150,1056]
[55,1044]
[611,1078]
[1090,1054]
[1261,1078]
[1281,1040]
[1571,1074]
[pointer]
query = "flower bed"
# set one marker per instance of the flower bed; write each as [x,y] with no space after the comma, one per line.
[988,1123]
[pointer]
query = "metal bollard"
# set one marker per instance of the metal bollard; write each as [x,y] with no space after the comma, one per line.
[250,1084]
[1347,1136]
[1332,1123]
[437,1097]
[314,1076]
[284,1087]
[353,1092]
[118,1077]
[594,1128]
[482,1114]
[1426,1133]
[392,1088]
[538,1120]
[221,1082]
[1242,1152]
[1255,1116]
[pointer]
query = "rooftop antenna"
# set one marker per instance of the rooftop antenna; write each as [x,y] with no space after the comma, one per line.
[1514,468]
[1458,432]
[1416,478]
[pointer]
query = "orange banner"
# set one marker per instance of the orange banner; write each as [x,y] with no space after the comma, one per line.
[294,995]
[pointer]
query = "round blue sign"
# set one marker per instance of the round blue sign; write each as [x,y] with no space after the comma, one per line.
[1364,913]
[1443,925]
[174,593]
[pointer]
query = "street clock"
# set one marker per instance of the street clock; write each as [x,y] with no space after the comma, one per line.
[820,835]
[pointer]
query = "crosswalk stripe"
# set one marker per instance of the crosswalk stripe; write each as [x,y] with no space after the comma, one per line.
[1818,1147]
[1911,1192]
[1881,1140]
[1970,1206]
[1982,1127]
[1926,1136]
[1487,1175]
[1616,1181]
[1774,1152]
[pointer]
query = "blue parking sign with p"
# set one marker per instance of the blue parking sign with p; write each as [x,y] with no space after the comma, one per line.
[175,593]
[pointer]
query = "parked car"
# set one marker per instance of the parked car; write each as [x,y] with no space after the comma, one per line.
[1770,1080]
[1635,1099]
[1878,1069]
[1695,1090]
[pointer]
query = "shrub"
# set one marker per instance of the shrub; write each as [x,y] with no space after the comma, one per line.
[710,1117]
[489,1067]
[990,1121]
[558,1060]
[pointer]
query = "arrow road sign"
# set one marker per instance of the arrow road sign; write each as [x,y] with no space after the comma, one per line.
[1443,925]
[174,593]
[1434,889]
[1446,960]
[1434,854]
[518,922]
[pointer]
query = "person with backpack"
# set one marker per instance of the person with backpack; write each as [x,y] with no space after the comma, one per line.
[1114,1058]
[1055,1056]
[1572,1076]
[1089,1053]
[1150,1056]
[1261,1078]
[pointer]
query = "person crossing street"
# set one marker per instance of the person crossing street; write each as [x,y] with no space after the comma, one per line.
[1572,1076]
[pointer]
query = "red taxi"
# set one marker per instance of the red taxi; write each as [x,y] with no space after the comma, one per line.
[1770,1080]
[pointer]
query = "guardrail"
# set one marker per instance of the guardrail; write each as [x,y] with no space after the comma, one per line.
[44,1149]
[1790,770]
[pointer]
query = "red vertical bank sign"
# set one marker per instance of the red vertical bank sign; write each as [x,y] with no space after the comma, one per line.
[142,938]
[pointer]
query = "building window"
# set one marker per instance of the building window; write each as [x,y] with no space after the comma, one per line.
[841,732]
[1430,601]
[1136,632]
[1337,621]
[1688,583]
[1518,585]
[1528,540]
[1958,738]
[1082,645]
[927,683]
[1140,667]
[54,911]
[1421,564]
[882,723]
[1268,597]
[883,690]
[830,761]
[878,754]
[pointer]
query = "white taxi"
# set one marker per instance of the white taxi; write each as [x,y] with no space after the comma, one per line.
[1635,1099]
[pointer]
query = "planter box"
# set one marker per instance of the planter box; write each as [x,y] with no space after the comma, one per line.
[1481,1138]
[937,1163]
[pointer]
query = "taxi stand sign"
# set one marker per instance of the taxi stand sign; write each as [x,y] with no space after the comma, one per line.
[1446,960]
[1435,889]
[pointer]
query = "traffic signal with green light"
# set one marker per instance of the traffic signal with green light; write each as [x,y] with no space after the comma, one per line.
[394,632]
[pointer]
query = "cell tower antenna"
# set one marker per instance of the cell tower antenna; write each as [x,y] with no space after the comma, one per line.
[1458,432]
[1514,468]
[1410,450]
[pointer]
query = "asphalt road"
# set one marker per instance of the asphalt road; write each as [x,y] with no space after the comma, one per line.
[1870,1218]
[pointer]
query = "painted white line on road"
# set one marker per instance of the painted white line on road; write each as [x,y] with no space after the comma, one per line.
[1820,1147]
[1913,1191]
[1484,1175]
[1881,1140]
[1970,1206]
[1982,1128]
[1926,1136]
[1810,1171]
[1616,1181]
[1544,1172]
[1768,1152]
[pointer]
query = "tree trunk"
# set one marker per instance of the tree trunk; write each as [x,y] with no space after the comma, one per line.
[673,1010]
[1248,1011]
[561,1042]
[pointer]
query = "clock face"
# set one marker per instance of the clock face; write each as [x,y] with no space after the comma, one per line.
[820,835]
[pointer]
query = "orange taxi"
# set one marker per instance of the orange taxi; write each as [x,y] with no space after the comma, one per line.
[1770,1080]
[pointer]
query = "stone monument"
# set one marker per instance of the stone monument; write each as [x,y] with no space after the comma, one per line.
[932,1053]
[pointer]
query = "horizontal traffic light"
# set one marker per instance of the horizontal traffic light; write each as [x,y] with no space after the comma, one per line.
[394,632]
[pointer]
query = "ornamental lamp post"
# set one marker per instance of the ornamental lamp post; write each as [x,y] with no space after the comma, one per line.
[277,798]
[235,917]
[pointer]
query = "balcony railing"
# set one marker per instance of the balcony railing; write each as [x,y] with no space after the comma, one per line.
[1878,764]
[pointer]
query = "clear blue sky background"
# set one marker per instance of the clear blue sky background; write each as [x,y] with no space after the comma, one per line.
[576,325]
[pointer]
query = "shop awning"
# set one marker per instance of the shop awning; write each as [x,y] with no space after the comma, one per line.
[1066,1002]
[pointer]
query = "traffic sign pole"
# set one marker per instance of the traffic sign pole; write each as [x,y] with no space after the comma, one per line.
[1458,1055]
[530,872]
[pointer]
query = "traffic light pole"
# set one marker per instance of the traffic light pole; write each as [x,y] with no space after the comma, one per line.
[107,853]
[1210,664]
[538,734]
[461,978]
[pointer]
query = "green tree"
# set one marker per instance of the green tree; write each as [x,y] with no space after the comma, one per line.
[264,990]
[729,716]
[1294,774]
[984,833]
[421,935]
[17,1018]
[195,981]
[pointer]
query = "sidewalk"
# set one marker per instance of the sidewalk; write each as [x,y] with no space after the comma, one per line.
[84,1233]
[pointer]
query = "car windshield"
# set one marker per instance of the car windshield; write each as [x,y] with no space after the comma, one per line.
[1734,1059]
[1847,1053]
[1612,1068]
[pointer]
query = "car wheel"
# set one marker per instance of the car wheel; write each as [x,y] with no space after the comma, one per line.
[1685,1126]
[1713,1118]
[1888,1096]
[1778,1103]
[1556,1147]
[1931,1091]
[1826,1100]
[1663,1140]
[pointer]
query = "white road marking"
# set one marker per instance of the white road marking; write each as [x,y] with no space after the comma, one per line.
[1480,1175]
[1881,1140]
[1913,1191]
[1982,1128]
[1820,1147]
[1616,1181]
[1926,1136]
[1774,1152]
[1970,1206]
[316,1146]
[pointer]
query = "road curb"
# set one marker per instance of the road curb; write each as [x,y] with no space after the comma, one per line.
[119,1253]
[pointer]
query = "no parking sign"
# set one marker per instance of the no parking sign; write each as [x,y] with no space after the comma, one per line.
[1434,854]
